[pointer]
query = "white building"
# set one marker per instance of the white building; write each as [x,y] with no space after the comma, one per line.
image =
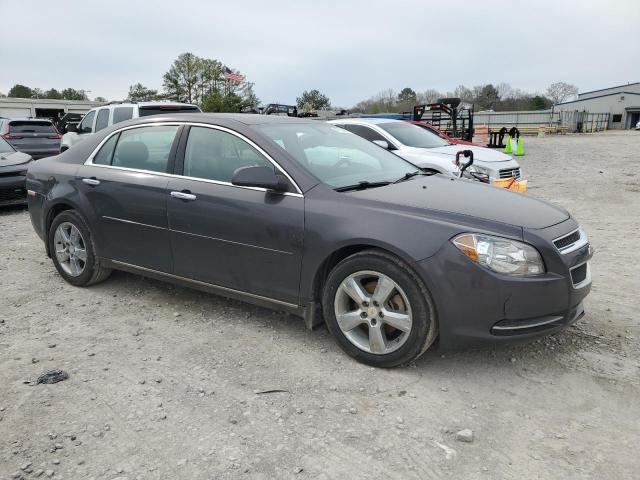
[41,107]
[621,102]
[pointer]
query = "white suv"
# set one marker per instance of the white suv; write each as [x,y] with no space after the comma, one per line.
[102,117]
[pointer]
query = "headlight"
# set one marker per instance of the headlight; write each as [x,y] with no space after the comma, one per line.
[501,255]
[477,169]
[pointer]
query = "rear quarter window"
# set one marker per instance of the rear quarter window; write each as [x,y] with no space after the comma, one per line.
[120,114]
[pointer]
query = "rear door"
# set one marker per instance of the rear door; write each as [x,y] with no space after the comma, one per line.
[126,185]
[38,138]
[246,239]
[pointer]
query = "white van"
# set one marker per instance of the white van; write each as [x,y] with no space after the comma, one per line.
[102,117]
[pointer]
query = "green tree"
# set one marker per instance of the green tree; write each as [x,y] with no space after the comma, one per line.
[217,102]
[487,97]
[181,81]
[73,94]
[53,94]
[37,93]
[538,103]
[140,93]
[313,100]
[100,99]
[407,96]
[20,91]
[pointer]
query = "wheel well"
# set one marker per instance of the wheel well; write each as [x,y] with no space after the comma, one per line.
[64,149]
[56,210]
[332,260]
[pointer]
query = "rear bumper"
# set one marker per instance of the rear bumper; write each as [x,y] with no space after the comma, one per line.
[476,306]
[13,190]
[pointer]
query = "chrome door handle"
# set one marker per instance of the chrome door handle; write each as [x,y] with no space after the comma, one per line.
[91,181]
[183,195]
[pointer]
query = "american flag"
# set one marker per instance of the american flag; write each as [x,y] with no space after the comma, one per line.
[230,75]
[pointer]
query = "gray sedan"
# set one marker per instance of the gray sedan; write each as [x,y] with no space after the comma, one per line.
[309,218]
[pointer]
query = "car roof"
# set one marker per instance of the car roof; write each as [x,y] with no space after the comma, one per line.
[244,118]
[371,121]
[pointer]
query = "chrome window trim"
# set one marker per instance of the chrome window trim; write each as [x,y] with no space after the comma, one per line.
[587,277]
[90,159]
[578,244]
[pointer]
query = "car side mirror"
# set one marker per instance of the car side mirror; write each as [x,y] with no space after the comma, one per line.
[261,177]
[382,143]
[71,127]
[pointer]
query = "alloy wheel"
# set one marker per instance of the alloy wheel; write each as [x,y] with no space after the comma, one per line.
[373,312]
[70,249]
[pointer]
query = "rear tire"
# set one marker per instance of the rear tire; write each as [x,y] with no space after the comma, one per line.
[72,250]
[392,322]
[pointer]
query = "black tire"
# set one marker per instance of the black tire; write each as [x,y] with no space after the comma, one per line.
[93,271]
[424,327]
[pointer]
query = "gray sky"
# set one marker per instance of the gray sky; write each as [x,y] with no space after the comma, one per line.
[349,50]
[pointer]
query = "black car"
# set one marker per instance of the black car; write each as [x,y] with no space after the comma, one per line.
[307,217]
[13,174]
[37,137]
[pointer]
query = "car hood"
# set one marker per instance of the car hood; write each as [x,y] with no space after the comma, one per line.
[479,153]
[469,198]
[10,159]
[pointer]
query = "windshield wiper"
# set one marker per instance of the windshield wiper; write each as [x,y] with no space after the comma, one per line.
[361,186]
[409,175]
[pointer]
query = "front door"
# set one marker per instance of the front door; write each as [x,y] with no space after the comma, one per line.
[126,185]
[246,239]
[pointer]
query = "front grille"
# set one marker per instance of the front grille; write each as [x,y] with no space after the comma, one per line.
[12,194]
[570,239]
[579,274]
[510,173]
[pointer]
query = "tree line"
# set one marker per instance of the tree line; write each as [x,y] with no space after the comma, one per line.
[23,91]
[500,97]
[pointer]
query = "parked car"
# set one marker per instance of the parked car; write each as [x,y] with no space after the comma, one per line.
[34,136]
[428,151]
[13,174]
[306,217]
[102,117]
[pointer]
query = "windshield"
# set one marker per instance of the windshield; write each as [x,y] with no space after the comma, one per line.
[5,147]
[335,156]
[413,135]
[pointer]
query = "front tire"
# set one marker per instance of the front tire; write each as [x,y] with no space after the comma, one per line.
[378,309]
[72,250]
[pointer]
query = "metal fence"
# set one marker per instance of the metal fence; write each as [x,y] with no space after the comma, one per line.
[574,122]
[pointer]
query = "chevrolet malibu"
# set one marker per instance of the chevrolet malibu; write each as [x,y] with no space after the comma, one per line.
[309,218]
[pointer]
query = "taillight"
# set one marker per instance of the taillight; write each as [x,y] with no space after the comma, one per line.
[8,136]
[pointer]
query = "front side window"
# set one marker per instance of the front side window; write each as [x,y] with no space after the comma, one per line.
[145,148]
[336,156]
[215,155]
[86,124]
[413,135]
[5,147]
[120,114]
[103,119]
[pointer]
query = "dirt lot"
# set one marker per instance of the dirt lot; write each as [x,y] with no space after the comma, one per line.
[165,382]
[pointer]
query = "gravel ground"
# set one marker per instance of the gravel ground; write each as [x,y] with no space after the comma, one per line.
[166,382]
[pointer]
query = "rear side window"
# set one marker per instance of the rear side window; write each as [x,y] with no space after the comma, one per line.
[31,127]
[216,155]
[87,122]
[364,132]
[105,155]
[120,114]
[164,109]
[145,148]
[103,119]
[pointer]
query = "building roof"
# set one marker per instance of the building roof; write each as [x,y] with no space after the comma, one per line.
[609,88]
[50,101]
[598,96]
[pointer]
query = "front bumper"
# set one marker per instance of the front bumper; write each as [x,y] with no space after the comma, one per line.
[476,306]
[12,190]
